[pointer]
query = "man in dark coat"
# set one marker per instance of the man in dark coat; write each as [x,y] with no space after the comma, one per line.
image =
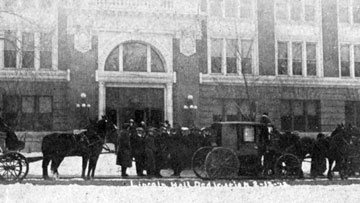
[318,157]
[138,150]
[124,152]
[150,151]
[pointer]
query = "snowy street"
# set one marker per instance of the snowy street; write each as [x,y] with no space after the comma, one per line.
[111,188]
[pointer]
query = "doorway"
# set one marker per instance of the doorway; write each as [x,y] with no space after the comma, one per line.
[139,104]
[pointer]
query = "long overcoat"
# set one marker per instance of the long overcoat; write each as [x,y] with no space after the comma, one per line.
[123,157]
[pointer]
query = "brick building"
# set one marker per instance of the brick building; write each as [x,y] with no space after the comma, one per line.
[142,59]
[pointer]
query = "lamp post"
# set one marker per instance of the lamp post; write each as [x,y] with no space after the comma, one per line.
[190,110]
[83,109]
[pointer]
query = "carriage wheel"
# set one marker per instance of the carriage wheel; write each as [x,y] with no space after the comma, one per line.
[198,162]
[10,167]
[287,166]
[24,165]
[222,163]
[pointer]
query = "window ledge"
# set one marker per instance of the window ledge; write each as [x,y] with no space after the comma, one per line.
[34,75]
[280,80]
[136,77]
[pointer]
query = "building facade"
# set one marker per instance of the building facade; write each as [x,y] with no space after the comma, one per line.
[185,61]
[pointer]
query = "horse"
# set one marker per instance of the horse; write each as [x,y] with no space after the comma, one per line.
[88,144]
[288,142]
[339,144]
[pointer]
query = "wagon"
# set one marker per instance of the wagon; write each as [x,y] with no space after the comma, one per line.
[244,149]
[13,165]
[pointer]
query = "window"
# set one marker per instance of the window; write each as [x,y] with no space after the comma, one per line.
[246,10]
[216,8]
[310,6]
[282,58]
[45,50]
[297,58]
[112,62]
[345,59]
[300,115]
[356,11]
[344,16]
[11,105]
[231,110]
[216,55]
[28,112]
[231,53]
[352,113]
[156,63]
[296,10]
[231,8]
[282,10]
[246,56]
[357,60]
[249,134]
[27,48]
[45,3]
[311,58]
[135,57]
[10,47]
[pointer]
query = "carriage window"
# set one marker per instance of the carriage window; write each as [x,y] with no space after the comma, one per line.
[249,134]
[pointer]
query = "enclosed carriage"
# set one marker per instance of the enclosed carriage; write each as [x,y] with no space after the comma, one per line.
[13,165]
[243,149]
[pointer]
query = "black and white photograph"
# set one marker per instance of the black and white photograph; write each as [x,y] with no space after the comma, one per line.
[179,101]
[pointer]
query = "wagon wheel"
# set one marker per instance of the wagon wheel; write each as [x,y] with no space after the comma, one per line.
[222,163]
[287,166]
[10,167]
[24,165]
[198,162]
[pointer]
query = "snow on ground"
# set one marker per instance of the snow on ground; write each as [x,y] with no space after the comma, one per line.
[13,193]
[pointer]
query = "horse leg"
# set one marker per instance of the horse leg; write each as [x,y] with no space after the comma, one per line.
[329,174]
[55,165]
[85,160]
[45,163]
[94,167]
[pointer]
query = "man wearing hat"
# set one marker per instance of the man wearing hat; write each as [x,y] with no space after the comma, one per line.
[138,150]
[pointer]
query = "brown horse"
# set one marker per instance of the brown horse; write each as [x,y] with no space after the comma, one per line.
[88,144]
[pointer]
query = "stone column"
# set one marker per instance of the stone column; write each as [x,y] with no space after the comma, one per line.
[169,115]
[102,99]
[2,35]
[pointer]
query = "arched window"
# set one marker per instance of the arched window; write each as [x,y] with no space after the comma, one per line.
[135,57]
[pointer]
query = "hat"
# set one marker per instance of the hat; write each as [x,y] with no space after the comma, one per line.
[131,120]
[139,129]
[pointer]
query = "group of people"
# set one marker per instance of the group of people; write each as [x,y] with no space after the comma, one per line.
[155,148]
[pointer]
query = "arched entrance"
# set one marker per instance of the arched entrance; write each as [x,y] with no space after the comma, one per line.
[135,84]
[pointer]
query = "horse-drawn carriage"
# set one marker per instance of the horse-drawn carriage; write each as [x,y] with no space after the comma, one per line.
[245,149]
[13,165]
